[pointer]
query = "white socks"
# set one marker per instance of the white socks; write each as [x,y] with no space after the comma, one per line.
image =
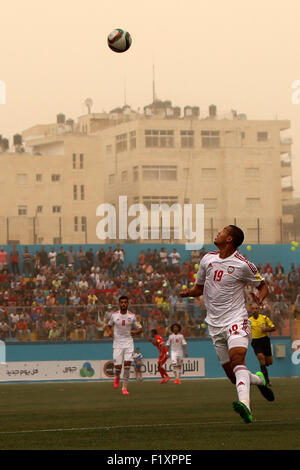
[177,372]
[242,375]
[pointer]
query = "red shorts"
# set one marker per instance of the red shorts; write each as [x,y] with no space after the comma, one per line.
[163,358]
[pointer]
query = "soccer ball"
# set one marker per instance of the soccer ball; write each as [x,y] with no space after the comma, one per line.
[119,40]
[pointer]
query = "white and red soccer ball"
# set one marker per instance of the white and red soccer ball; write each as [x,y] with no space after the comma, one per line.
[119,40]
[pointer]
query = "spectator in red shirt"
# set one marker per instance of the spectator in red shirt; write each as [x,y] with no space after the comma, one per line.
[3,259]
[14,258]
[268,268]
[22,328]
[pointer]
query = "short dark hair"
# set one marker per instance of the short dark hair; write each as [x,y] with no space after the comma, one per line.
[237,235]
[123,297]
[176,324]
[154,331]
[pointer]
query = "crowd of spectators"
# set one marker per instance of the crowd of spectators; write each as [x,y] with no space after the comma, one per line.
[69,296]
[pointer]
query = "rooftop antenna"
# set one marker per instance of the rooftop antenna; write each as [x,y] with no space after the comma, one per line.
[153,85]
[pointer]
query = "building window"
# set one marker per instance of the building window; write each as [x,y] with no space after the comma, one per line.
[38,177]
[81,157]
[22,210]
[22,179]
[111,179]
[55,178]
[132,140]
[121,143]
[252,172]
[75,192]
[82,192]
[253,202]
[124,176]
[170,200]
[136,200]
[83,223]
[159,138]
[262,136]
[159,172]
[135,174]
[56,209]
[210,139]
[209,172]
[75,223]
[74,161]
[39,209]
[187,139]
[210,203]
[56,241]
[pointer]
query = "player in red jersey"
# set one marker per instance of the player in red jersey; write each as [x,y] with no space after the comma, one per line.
[158,341]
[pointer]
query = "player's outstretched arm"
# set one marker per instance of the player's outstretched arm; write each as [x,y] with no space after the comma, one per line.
[196,291]
[263,291]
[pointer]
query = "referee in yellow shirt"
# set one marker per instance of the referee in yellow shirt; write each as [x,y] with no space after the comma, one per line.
[261,325]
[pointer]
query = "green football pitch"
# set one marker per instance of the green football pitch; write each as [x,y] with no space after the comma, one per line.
[195,415]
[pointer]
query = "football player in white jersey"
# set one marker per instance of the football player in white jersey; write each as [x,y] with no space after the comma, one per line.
[177,343]
[221,279]
[122,326]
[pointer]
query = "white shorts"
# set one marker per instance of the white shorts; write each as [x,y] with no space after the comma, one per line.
[231,336]
[121,355]
[176,358]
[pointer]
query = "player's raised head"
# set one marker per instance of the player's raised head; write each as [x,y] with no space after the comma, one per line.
[230,235]
[153,332]
[176,328]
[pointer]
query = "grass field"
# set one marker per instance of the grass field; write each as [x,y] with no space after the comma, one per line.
[195,415]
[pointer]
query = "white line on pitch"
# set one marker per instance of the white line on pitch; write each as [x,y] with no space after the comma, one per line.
[133,426]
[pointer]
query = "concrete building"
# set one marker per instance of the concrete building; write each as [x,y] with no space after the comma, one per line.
[57,175]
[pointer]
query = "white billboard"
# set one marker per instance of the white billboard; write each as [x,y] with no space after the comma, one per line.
[192,367]
[88,370]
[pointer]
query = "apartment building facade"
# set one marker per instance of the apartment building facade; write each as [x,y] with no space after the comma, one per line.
[59,174]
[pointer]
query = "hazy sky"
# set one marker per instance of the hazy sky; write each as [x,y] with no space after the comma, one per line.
[236,54]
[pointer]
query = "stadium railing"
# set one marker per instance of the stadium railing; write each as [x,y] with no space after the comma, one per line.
[87,322]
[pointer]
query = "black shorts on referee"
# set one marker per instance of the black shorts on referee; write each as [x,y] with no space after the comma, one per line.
[262,345]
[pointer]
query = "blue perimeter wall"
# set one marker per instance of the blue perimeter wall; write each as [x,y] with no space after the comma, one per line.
[258,253]
[102,350]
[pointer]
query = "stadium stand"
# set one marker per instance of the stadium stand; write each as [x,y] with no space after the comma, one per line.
[66,295]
